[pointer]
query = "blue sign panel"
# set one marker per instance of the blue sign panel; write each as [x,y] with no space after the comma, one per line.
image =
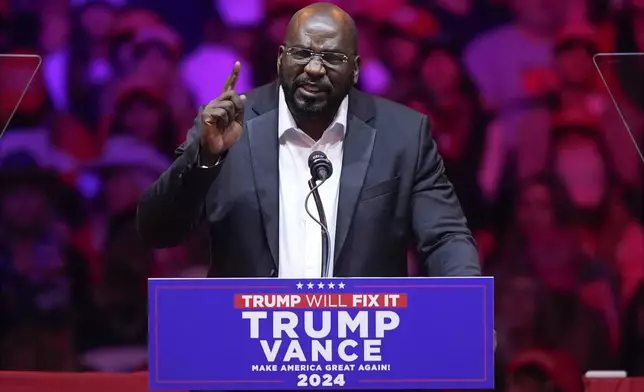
[290,334]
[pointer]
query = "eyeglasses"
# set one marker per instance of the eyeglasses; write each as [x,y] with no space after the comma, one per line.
[304,56]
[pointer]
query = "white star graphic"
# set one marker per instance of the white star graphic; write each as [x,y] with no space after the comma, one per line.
[299,285]
[320,285]
[331,285]
[309,286]
[340,285]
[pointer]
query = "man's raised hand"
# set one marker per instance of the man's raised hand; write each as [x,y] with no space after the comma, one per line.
[222,120]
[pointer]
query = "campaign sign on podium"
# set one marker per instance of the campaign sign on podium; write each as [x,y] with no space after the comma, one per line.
[289,334]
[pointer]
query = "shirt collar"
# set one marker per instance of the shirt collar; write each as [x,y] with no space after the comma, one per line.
[286,120]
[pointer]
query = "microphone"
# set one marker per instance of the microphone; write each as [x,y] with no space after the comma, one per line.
[321,170]
[320,166]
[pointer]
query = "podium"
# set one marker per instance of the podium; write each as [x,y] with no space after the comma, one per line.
[339,333]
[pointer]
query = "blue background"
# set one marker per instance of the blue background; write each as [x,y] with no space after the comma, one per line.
[200,339]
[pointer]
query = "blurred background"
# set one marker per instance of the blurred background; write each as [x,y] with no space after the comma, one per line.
[547,173]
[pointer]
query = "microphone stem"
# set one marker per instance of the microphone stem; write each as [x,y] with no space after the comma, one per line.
[323,226]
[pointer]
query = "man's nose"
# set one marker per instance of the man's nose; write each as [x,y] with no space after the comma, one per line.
[315,67]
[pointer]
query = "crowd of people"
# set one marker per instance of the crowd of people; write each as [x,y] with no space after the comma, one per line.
[548,171]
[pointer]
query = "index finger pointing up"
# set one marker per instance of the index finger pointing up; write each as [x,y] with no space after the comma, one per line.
[232,78]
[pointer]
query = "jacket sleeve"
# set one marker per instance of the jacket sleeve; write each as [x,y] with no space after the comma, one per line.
[445,244]
[175,203]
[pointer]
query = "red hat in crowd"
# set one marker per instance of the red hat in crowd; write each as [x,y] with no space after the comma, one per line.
[415,22]
[130,21]
[577,32]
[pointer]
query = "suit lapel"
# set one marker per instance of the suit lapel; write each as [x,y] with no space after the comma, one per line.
[261,126]
[358,147]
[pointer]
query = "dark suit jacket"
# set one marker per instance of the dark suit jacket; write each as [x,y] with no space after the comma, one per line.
[393,189]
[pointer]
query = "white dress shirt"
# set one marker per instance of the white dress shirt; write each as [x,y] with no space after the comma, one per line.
[300,242]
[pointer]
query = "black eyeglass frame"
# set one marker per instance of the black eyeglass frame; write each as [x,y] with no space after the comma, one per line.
[324,56]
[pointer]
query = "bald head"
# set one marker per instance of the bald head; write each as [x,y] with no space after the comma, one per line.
[325,18]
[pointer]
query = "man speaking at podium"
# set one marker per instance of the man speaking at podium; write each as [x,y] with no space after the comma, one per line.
[243,170]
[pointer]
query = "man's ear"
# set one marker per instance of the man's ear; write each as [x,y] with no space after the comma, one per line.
[356,69]
[280,52]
